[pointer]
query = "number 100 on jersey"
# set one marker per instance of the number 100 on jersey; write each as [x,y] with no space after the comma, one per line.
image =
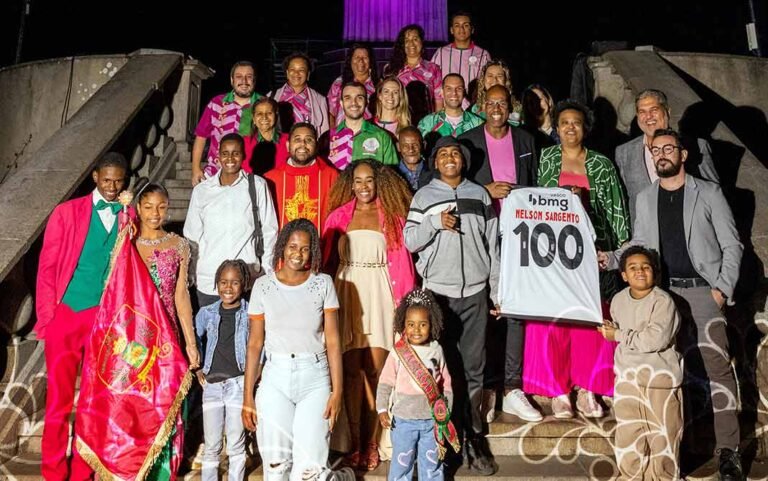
[548,261]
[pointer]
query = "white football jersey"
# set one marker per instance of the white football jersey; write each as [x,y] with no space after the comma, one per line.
[549,265]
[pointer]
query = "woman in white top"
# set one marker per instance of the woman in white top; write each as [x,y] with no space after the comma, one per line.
[293,316]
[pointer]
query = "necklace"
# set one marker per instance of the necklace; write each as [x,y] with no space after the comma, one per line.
[153,242]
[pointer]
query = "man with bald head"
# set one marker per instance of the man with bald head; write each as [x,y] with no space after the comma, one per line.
[503,156]
[453,119]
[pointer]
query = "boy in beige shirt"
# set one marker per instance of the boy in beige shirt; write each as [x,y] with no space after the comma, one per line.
[647,395]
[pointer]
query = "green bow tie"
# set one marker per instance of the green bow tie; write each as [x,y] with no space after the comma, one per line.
[113,206]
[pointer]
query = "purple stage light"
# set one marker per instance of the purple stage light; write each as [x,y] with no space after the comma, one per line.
[381,20]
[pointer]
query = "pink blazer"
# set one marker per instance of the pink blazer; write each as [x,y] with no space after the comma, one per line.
[63,241]
[400,264]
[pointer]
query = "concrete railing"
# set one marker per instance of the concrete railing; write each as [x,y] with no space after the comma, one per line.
[146,107]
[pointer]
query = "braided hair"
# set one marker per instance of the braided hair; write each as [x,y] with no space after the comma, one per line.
[238,265]
[298,225]
[424,299]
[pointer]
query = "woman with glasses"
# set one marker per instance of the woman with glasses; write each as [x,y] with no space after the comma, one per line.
[560,356]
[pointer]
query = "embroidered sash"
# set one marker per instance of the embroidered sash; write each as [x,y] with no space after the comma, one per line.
[444,429]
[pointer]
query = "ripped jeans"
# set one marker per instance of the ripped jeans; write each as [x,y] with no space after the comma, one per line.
[291,432]
[413,441]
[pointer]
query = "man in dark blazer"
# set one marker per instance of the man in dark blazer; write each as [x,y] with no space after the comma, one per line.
[689,222]
[496,128]
[503,156]
[634,158]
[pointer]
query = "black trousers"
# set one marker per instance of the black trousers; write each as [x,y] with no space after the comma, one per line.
[463,341]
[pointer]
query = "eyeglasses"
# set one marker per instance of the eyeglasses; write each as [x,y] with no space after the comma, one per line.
[667,149]
[489,104]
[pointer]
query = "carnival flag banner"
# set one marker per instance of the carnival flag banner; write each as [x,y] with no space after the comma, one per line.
[549,265]
[134,375]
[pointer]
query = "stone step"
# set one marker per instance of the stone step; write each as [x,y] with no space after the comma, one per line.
[30,443]
[184,175]
[183,165]
[511,436]
[553,468]
[177,214]
[178,194]
[510,468]
[177,204]
[177,184]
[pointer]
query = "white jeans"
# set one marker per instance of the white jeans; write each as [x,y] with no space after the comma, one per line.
[292,434]
[222,408]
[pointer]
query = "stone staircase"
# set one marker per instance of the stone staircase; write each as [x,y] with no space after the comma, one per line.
[553,449]
[180,187]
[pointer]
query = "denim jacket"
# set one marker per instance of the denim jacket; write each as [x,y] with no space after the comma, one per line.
[207,323]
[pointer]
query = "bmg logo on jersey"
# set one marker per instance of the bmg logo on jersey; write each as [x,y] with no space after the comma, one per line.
[559,200]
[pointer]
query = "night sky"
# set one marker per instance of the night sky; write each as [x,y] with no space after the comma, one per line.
[539,41]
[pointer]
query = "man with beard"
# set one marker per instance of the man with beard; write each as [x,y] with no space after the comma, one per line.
[634,158]
[301,186]
[689,222]
[356,138]
[453,119]
[224,114]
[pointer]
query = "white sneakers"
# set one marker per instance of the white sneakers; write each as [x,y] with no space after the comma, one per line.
[517,404]
[488,407]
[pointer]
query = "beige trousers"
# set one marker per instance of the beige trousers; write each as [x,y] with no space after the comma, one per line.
[649,424]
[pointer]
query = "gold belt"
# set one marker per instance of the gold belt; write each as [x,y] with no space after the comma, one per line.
[362,264]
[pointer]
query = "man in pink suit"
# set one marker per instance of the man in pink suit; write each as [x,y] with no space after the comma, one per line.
[74,263]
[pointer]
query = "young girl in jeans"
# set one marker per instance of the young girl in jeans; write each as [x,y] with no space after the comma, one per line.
[415,370]
[225,327]
[293,313]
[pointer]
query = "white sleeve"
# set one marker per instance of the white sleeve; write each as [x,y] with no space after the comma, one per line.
[331,300]
[268,221]
[193,231]
[256,303]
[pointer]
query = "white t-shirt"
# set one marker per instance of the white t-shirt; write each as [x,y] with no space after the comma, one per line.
[548,259]
[454,121]
[293,315]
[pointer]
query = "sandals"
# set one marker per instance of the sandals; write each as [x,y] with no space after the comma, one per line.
[370,459]
[352,460]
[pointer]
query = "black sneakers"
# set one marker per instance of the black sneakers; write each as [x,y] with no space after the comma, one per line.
[730,465]
[478,457]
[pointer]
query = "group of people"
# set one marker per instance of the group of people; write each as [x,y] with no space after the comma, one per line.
[350,301]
